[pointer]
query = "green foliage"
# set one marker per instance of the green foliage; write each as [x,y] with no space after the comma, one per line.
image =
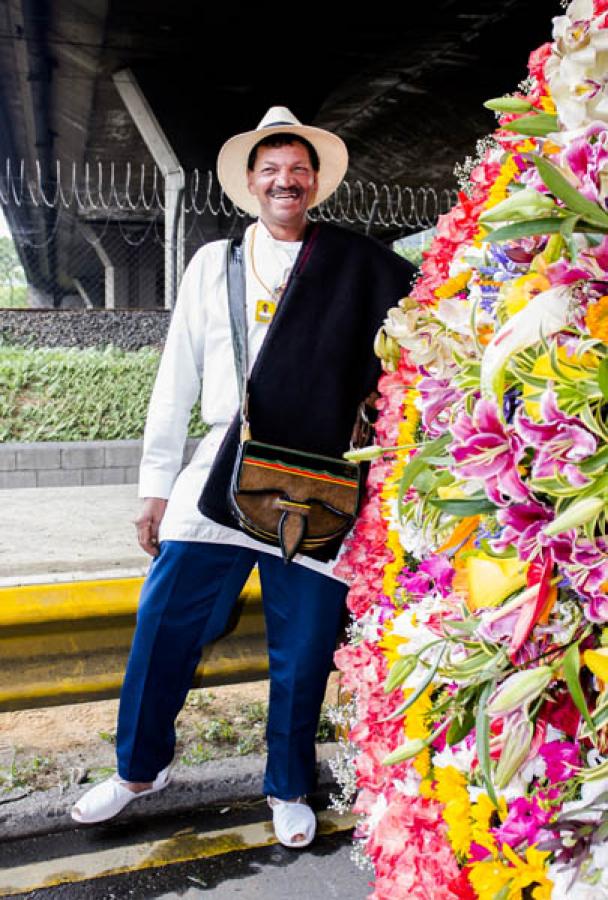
[413,254]
[13,289]
[77,395]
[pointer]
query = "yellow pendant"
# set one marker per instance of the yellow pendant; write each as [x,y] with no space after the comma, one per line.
[264,311]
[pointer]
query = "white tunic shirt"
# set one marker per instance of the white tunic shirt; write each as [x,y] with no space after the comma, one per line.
[199,349]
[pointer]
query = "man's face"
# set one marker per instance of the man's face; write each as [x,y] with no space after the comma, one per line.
[284,182]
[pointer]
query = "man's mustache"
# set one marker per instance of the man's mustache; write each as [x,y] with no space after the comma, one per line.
[285,192]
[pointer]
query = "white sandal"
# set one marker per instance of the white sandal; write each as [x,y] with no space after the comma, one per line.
[109,797]
[292,817]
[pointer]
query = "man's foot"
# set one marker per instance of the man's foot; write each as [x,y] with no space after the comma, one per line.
[108,798]
[294,821]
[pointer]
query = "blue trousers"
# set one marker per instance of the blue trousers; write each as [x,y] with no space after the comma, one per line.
[186,602]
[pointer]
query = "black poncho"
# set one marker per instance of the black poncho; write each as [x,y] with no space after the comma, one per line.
[317,361]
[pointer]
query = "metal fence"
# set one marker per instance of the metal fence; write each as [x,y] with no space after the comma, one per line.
[119,237]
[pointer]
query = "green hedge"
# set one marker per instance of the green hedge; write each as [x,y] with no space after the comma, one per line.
[77,395]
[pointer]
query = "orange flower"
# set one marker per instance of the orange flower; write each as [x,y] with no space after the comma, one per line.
[596,319]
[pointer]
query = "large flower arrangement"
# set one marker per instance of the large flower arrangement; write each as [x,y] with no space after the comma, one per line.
[478,655]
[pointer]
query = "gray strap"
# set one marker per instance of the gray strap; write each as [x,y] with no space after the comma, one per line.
[237,305]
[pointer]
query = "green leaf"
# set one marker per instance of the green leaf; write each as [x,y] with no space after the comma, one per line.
[518,230]
[561,188]
[464,508]
[539,125]
[571,666]
[459,729]
[482,739]
[508,553]
[416,465]
[419,690]
[602,377]
[568,225]
[424,481]
[594,463]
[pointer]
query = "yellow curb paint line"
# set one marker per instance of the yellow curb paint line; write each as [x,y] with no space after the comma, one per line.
[184,846]
[30,604]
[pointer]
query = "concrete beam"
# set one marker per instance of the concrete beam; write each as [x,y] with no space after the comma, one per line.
[166,159]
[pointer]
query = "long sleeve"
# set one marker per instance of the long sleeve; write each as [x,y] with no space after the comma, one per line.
[177,386]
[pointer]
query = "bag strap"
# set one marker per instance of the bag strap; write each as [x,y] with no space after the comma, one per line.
[237,307]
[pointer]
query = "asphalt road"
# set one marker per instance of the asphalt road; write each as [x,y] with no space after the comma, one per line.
[217,854]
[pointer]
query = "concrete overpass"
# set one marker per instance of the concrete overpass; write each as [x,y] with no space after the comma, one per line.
[128,81]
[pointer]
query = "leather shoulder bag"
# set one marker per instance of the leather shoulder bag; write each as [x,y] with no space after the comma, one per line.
[280,495]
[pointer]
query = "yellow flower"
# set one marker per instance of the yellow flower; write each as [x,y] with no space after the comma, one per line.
[516,294]
[451,791]
[596,319]
[481,816]
[529,874]
[489,877]
[548,104]
[487,581]
[406,435]
[597,661]
[390,644]
[451,492]
[576,367]
[528,145]
[416,726]
[453,286]
[498,192]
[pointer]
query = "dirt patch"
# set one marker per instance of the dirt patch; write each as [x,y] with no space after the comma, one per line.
[41,748]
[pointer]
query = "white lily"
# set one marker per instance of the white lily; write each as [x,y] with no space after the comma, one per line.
[544,315]
[577,72]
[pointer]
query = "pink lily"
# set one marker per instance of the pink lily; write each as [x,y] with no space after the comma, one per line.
[438,400]
[522,527]
[484,448]
[559,441]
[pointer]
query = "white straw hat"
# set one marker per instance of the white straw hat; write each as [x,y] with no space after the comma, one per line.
[232,158]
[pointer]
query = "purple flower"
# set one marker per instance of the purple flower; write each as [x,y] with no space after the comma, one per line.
[591,265]
[438,400]
[440,571]
[435,573]
[522,526]
[524,823]
[559,441]
[560,758]
[597,609]
[417,584]
[587,571]
[484,448]
[587,157]
[497,631]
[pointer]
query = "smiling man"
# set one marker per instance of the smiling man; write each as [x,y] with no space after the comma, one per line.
[315,296]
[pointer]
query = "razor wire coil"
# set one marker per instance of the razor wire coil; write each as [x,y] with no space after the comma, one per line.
[126,191]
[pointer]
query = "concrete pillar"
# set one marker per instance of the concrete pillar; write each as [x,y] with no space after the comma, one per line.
[166,159]
[116,276]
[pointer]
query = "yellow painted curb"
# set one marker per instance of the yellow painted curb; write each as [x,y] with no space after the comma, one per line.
[68,600]
[68,642]
[184,846]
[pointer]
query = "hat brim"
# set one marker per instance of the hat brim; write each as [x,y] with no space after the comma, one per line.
[232,162]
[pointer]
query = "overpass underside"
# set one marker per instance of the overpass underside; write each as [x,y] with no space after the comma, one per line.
[123,84]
